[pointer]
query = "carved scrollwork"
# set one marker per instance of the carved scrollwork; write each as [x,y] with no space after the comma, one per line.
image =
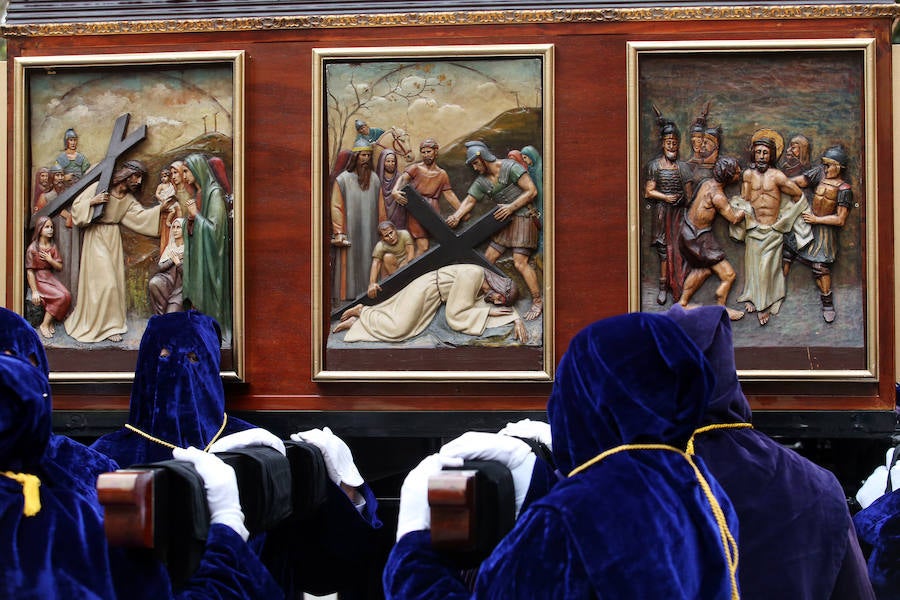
[498,17]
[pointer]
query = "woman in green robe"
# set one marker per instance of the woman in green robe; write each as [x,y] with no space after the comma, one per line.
[207,264]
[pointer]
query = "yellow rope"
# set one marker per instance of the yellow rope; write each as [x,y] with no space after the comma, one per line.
[713,427]
[143,434]
[30,489]
[622,448]
[729,545]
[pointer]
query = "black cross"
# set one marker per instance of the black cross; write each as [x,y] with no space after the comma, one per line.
[453,249]
[102,172]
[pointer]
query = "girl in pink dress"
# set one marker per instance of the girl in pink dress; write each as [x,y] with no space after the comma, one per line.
[41,259]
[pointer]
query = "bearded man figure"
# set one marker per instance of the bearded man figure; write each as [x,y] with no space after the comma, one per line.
[476,299]
[668,185]
[357,207]
[99,313]
[432,182]
[762,231]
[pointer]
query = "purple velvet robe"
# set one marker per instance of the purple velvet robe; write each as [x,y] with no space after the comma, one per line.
[61,552]
[178,396]
[797,539]
[634,525]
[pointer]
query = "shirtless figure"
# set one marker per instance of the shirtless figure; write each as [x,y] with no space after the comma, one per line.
[762,186]
[698,245]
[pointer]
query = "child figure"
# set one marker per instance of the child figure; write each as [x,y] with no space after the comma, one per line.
[41,259]
[165,189]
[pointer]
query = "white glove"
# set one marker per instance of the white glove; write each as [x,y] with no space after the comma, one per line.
[515,454]
[415,513]
[873,488]
[533,430]
[246,439]
[338,459]
[221,488]
[895,469]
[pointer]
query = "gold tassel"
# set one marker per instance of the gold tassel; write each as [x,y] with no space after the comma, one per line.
[30,489]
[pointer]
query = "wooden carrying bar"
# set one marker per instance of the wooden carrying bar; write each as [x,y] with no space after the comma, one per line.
[129,505]
[472,508]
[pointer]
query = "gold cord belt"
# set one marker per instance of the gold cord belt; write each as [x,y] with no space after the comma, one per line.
[169,445]
[713,427]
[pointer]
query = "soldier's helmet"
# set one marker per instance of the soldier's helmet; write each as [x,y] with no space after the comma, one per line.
[478,150]
[836,154]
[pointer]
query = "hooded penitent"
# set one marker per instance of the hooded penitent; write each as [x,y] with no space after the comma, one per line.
[47,515]
[60,551]
[177,397]
[65,461]
[19,339]
[637,523]
[796,533]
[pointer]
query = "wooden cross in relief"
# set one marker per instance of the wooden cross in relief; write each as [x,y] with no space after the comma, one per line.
[453,249]
[102,172]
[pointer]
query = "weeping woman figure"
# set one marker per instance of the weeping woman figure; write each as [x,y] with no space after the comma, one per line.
[387,174]
[207,268]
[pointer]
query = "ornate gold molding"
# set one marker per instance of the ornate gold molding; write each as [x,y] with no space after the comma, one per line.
[500,17]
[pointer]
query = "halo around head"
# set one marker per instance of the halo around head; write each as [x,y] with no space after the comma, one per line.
[772,135]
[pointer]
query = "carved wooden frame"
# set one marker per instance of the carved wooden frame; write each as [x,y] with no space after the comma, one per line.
[811,351]
[428,364]
[103,361]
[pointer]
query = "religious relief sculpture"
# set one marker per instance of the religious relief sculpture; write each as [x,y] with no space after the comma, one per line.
[781,215]
[770,217]
[98,208]
[435,261]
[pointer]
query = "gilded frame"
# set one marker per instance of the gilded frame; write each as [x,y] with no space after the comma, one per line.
[797,343]
[106,91]
[443,66]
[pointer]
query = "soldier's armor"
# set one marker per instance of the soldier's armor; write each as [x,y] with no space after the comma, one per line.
[825,198]
[668,181]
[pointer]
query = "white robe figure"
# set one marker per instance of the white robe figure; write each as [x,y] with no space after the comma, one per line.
[407,313]
[101,306]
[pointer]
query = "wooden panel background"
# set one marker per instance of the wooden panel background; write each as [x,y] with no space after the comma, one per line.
[590,201]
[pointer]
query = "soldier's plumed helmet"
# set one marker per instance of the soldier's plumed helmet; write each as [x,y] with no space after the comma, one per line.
[478,150]
[358,124]
[668,127]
